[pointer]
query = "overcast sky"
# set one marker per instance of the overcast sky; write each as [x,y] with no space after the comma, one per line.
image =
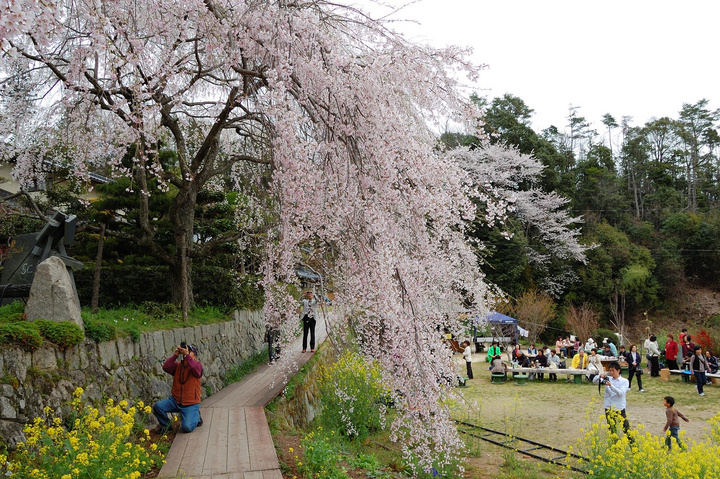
[634,58]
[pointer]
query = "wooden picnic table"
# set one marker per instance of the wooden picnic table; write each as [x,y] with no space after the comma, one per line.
[548,371]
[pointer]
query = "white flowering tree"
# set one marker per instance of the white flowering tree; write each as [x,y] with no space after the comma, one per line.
[507,183]
[331,103]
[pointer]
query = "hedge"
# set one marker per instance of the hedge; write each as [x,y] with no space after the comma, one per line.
[136,284]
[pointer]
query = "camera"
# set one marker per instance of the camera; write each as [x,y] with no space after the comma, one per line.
[183,345]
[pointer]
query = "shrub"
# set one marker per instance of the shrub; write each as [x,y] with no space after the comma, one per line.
[95,446]
[64,333]
[137,284]
[159,310]
[224,287]
[12,312]
[23,334]
[99,331]
[127,284]
[352,392]
[703,339]
[321,456]
[603,333]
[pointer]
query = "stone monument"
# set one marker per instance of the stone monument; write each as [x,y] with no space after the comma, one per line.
[52,295]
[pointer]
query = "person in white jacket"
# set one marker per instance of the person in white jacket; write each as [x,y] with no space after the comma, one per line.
[653,355]
[616,388]
[467,355]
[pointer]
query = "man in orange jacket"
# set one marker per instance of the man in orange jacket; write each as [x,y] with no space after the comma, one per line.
[185,393]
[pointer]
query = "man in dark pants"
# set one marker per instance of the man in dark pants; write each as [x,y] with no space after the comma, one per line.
[308,319]
[616,388]
[185,393]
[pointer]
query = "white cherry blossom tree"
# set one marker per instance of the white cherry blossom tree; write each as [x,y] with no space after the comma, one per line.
[507,182]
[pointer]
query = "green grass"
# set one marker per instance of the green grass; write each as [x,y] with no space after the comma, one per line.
[131,321]
[554,413]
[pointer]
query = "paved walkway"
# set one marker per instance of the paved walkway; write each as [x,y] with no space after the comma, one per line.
[234,441]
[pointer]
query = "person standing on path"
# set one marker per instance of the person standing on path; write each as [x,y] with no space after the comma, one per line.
[673,422]
[467,355]
[634,359]
[653,355]
[308,319]
[698,368]
[185,393]
[671,352]
[616,388]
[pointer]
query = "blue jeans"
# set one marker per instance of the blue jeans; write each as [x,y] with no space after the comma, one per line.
[189,415]
[673,434]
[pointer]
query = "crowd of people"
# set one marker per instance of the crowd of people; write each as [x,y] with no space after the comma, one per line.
[571,353]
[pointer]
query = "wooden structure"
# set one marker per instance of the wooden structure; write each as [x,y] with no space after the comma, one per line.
[234,441]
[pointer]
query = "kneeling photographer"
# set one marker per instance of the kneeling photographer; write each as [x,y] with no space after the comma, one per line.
[616,388]
[185,393]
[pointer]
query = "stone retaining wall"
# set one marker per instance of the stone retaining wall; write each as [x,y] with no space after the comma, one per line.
[119,369]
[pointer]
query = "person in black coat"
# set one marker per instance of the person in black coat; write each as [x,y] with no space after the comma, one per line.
[712,362]
[634,359]
[541,362]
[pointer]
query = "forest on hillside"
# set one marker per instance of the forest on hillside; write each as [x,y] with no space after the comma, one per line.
[648,196]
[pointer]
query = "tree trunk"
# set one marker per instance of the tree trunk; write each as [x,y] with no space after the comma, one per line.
[182,216]
[98,266]
[617,305]
[181,284]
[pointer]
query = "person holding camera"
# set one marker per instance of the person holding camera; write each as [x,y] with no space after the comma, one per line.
[185,393]
[616,388]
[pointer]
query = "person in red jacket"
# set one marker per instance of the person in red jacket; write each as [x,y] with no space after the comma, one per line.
[185,393]
[671,352]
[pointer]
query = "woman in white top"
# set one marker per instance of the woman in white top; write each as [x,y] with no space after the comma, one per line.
[653,352]
[467,355]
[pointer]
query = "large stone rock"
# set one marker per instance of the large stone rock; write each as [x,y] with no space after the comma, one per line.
[52,295]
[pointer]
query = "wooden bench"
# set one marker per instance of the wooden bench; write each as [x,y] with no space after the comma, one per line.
[684,374]
[577,373]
